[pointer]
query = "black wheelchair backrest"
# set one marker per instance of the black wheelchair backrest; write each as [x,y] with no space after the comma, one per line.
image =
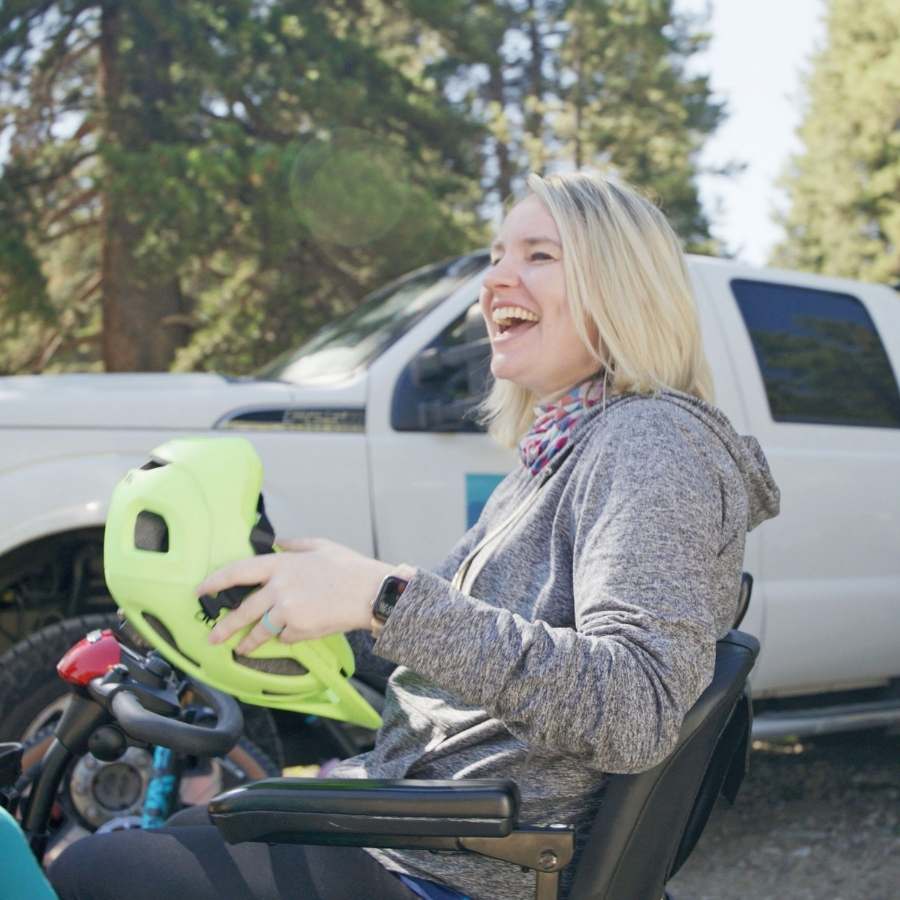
[666,807]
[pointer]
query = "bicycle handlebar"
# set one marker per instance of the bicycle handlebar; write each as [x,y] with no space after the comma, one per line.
[144,725]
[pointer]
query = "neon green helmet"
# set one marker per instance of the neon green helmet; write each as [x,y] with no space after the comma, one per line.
[193,508]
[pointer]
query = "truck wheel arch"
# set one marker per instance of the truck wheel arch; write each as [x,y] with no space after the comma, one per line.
[50,578]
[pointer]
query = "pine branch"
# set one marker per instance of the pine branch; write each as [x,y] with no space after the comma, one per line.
[90,284]
[72,229]
[246,126]
[60,344]
[48,352]
[44,82]
[186,320]
[258,121]
[50,177]
[79,199]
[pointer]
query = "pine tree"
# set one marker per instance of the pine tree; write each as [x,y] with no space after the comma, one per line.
[201,184]
[630,107]
[214,180]
[570,83]
[844,186]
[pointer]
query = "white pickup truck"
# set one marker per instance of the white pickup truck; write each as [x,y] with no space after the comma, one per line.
[364,437]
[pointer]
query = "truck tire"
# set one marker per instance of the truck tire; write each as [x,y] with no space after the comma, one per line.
[32,695]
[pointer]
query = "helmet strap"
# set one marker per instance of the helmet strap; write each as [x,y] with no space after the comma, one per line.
[262,535]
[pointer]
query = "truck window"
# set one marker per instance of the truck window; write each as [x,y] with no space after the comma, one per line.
[352,342]
[820,355]
[440,388]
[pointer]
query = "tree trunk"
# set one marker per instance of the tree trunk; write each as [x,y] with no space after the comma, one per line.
[497,93]
[135,300]
[579,88]
[534,123]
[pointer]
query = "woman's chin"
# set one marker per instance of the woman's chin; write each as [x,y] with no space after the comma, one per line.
[503,370]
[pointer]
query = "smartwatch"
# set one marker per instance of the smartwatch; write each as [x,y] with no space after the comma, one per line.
[388,594]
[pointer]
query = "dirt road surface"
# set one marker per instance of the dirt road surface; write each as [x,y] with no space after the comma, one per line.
[817,820]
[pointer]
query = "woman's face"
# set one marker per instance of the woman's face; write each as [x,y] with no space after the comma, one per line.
[523,301]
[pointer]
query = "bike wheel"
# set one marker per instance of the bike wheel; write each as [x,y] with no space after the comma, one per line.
[100,795]
[32,695]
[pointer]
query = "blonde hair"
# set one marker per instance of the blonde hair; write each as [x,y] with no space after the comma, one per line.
[625,273]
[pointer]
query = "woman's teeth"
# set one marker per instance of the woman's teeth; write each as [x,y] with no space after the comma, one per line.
[506,316]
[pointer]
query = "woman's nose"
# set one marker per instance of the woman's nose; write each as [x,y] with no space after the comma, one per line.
[503,274]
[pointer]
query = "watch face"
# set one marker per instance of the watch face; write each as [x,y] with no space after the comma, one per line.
[391,589]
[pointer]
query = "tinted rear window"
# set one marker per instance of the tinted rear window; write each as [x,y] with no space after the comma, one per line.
[820,355]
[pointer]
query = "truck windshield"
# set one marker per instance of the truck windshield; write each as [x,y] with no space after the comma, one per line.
[352,342]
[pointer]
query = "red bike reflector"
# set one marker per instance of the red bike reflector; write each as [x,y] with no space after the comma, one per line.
[91,657]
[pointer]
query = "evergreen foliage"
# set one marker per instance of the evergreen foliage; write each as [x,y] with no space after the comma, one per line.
[844,186]
[200,185]
[632,107]
[572,83]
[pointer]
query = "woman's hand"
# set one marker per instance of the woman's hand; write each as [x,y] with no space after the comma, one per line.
[316,587]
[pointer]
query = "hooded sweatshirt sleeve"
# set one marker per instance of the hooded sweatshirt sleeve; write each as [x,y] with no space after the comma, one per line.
[647,522]
[367,661]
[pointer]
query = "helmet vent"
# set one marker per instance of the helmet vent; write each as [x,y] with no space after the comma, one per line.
[151,532]
[166,635]
[282,666]
[153,463]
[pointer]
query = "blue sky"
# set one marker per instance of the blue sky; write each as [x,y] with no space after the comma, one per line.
[758,52]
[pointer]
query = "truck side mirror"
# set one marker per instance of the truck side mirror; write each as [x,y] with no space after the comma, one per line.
[439,389]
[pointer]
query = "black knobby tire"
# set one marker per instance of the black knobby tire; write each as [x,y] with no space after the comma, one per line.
[252,761]
[28,679]
[31,691]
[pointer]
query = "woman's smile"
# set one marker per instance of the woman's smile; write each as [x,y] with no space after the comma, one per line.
[511,321]
[511,332]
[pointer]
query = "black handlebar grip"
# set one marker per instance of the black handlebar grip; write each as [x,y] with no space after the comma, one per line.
[195,740]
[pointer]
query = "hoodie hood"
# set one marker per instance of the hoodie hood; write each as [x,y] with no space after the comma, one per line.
[762,493]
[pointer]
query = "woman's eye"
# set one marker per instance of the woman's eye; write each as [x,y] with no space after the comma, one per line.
[541,255]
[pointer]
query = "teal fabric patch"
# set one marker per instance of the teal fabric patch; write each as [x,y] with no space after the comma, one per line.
[22,876]
[478,489]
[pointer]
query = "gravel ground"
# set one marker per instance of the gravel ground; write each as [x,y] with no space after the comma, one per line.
[818,820]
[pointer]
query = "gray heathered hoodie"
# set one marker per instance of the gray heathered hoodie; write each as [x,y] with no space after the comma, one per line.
[587,634]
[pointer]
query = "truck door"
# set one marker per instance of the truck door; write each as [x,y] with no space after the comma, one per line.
[431,466]
[821,395]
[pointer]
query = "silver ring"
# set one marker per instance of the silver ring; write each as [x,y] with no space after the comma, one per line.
[269,625]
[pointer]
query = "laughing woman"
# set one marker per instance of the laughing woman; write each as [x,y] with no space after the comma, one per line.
[570,630]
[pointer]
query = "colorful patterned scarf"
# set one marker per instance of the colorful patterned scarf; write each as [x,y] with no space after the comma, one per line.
[555,420]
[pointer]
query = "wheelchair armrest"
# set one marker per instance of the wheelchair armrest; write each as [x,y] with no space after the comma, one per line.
[478,815]
[364,812]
